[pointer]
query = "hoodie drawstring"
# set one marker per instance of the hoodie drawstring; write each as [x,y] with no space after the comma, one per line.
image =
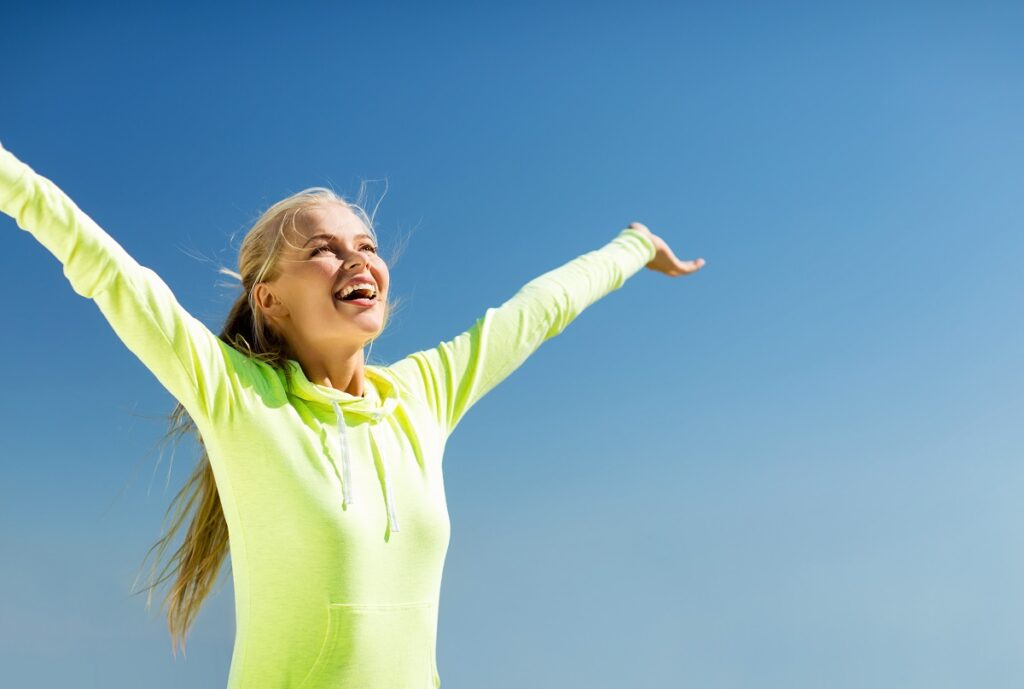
[346,474]
[346,458]
[388,499]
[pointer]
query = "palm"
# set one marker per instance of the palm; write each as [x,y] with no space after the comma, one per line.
[665,261]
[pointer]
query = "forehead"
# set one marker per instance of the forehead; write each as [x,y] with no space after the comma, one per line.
[327,219]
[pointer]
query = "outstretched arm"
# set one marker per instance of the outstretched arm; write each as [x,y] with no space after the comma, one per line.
[457,373]
[187,359]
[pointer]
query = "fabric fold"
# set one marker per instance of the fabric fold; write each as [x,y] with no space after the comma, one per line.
[379,404]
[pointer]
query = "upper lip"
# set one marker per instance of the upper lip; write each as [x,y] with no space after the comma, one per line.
[356,280]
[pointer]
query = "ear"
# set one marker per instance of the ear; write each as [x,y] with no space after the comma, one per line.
[268,302]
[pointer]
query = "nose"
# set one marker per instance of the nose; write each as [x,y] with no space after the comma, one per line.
[356,258]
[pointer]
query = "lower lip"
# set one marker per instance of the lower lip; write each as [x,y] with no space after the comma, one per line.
[364,303]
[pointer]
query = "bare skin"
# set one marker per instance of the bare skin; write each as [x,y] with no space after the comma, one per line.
[327,336]
[665,261]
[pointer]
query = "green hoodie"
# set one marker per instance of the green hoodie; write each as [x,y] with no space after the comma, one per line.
[335,504]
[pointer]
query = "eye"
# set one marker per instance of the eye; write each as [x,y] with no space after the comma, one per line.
[320,248]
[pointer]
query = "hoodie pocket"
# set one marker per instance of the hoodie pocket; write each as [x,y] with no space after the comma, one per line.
[377,646]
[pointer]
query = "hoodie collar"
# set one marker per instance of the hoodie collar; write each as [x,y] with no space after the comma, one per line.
[381,395]
[380,401]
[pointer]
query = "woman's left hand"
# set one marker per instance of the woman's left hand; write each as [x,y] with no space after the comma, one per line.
[665,261]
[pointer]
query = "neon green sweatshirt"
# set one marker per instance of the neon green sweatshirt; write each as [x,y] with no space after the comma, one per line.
[335,504]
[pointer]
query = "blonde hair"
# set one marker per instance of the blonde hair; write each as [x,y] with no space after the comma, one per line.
[197,561]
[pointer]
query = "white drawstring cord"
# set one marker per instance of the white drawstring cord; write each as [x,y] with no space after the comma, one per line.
[346,459]
[346,474]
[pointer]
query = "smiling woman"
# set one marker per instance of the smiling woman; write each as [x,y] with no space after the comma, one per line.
[310,455]
[326,248]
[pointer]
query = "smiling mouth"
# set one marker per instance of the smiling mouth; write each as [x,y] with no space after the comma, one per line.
[359,302]
[358,297]
[364,291]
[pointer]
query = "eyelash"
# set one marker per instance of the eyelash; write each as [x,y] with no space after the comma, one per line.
[325,246]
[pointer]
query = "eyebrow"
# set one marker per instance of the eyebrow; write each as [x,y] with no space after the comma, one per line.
[361,235]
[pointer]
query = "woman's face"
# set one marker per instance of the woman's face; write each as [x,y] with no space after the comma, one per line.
[327,249]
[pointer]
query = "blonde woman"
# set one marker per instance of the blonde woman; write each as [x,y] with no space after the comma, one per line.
[321,474]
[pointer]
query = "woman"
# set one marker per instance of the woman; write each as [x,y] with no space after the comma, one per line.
[322,472]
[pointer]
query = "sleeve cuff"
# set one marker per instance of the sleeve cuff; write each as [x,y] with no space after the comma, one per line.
[638,241]
[12,172]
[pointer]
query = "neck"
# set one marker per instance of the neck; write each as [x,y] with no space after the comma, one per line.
[341,370]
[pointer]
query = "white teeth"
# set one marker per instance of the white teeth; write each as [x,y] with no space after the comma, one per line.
[359,285]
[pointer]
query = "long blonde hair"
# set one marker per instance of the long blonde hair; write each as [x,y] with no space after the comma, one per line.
[197,561]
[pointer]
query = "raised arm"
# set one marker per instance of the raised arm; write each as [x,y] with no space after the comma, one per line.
[189,361]
[454,375]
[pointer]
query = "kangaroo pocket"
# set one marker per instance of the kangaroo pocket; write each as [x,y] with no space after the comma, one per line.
[377,646]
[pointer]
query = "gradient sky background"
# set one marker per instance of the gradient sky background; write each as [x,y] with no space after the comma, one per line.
[799,468]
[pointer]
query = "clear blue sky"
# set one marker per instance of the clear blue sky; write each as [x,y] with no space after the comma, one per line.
[800,468]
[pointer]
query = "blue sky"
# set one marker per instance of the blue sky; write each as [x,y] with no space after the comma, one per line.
[798,468]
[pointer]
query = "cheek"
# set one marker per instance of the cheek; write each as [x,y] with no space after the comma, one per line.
[311,285]
[316,274]
[385,276]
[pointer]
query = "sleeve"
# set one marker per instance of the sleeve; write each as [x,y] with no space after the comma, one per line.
[453,376]
[187,359]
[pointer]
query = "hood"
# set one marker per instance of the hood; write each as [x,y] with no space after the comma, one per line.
[380,402]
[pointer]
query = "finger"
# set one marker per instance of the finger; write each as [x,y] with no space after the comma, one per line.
[687,267]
